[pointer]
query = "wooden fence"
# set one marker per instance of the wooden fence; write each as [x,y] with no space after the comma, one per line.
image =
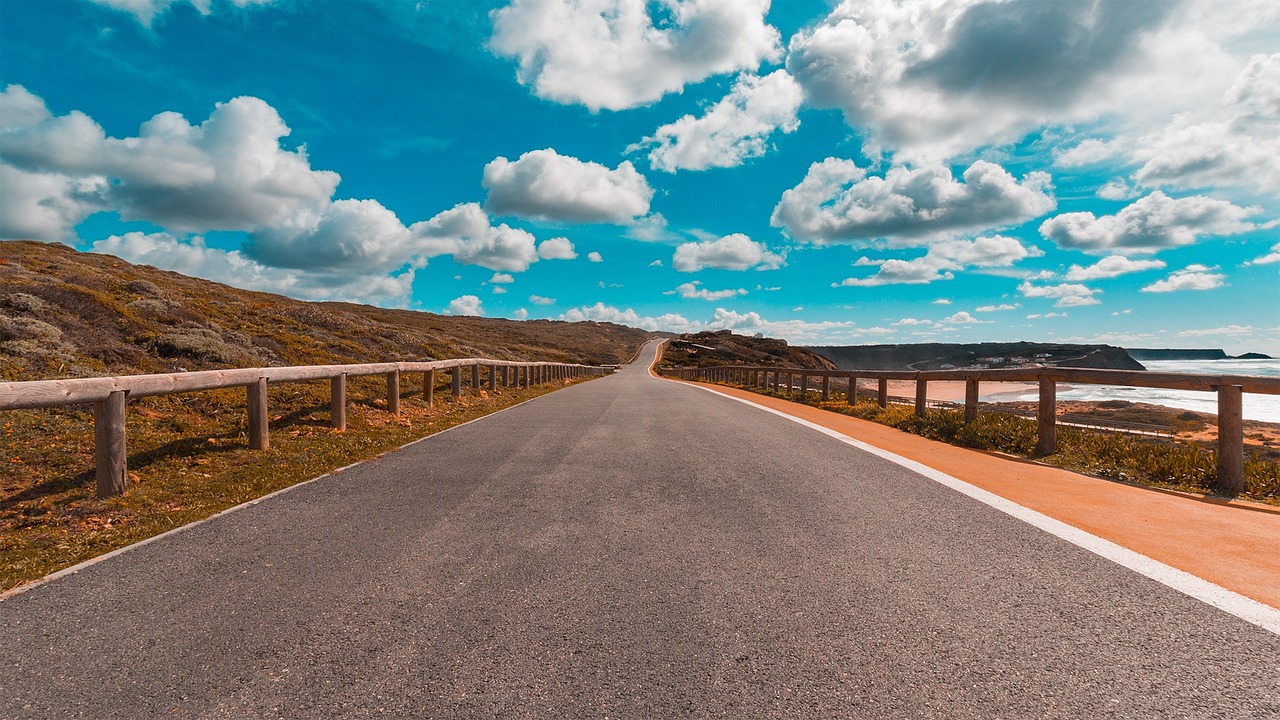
[109,394]
[1228,387]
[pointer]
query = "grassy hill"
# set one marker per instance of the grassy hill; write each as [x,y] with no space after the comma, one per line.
[65,313]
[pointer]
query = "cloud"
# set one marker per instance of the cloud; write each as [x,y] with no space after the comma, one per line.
[358,235]
[748,323]
[227,173]
[1224,330]
[1090,151]
[1118,190]
[1034,316]
[838,202]
[997,308]
[733,130]
[929,79]
[913,321]
[942,301]
[595,257]
[556,249]
[1148,225]
[547,185]
[540,300]
[963,318]
[236,269]
[499,290]
[499,278]
[617,54]
[1067,295]
[731,252]
[1112,266]
[146,11]
[465,232]
[1233,143]
[1193,277]
[465,305]
[690,290]
[1271,257]
[942,258]
[520,314]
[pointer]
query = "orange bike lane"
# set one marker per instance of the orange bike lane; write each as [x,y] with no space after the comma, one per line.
[1233,544]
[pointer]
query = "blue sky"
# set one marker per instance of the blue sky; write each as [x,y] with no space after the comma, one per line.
[830,173]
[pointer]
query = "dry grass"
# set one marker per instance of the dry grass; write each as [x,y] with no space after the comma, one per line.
[188,459]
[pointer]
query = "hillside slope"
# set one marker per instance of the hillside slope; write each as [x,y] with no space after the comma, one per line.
[65,313]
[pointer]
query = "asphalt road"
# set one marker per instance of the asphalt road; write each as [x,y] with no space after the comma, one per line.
[625,548]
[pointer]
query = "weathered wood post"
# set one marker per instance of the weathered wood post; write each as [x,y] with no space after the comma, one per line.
[922,396]
[456,371]
[110,453]
[853,389]
[429,387]
[493,378]
[528,372]
[1230,441]
[882,393]
[804,386]
[475,377]
[826,388]
[970,399]
[506,376]
[338,402]
[256,404]
[1047,417]
[777,380]
[393,392]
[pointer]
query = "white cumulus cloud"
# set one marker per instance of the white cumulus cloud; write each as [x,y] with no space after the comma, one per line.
[557,249]
[234,268]
[690,290]
[545,184]
[465,232]
[1193,277]
[733,130]
[1067,294]
[731,252]
[595,257]
[944,257]
[617,54]
[465,305]
[1112,266]
[838,202]
[1148,225]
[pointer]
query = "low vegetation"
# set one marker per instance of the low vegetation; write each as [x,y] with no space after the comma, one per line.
[1129,458]
[188,459]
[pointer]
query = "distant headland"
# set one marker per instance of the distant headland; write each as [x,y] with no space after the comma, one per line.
[1141,354]
[992,355]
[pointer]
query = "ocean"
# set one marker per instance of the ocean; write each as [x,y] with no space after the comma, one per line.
[1256,407]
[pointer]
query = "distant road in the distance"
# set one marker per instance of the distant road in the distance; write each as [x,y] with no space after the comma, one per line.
[626,548]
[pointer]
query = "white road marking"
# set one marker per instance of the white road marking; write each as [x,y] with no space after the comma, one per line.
[1247,609]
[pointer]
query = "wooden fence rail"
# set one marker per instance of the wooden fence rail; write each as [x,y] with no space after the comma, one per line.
[1228,387]
[109,395]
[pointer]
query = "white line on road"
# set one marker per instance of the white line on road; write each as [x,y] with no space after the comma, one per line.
[1247,609]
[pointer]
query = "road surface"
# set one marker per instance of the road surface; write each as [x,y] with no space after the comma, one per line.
[624,548]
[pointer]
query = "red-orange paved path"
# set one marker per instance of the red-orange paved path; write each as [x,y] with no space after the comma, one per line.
[1233,544]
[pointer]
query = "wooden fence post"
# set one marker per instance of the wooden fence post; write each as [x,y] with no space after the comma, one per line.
[475,377]
[429,387]
[804,386]
[338,402]
[393,392]
[970,399]
[826,388]
[777,380]
[457,381]
[1047,417]
[256,404]
[506,376]
[882,393]
[109,448]
[922,396]
[1230,441]
[493,378]
[853,389]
